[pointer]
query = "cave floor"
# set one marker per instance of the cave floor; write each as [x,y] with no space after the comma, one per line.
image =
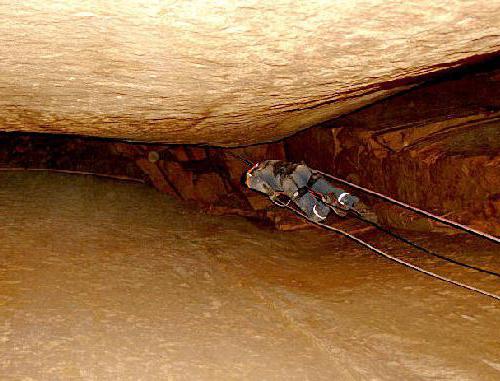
[103,280]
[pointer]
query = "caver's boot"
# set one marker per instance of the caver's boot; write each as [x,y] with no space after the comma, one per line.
[319,212]
[340,208]
[346,202]
[364,212]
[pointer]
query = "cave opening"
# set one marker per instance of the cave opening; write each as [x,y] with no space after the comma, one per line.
[123,260]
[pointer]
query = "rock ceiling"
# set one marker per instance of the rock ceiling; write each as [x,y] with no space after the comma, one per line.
[225,72]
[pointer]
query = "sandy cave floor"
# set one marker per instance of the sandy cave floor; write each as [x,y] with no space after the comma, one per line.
[102,280]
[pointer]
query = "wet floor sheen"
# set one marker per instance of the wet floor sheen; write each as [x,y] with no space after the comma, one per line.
[103,280]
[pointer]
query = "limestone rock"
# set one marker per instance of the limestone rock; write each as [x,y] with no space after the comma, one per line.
[436,147]
[225,72]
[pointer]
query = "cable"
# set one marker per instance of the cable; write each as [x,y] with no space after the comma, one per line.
[403,239]
[425,250]
[235,155]
[71,172]
[415,209]
[390,257]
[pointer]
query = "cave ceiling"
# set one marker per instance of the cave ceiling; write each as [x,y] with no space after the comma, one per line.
[222,72]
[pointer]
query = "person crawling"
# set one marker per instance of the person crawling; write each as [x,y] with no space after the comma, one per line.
[309,190]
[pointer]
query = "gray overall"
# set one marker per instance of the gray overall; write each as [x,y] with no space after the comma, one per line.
[295,180]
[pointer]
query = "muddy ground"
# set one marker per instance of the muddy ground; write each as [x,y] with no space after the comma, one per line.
[103,280]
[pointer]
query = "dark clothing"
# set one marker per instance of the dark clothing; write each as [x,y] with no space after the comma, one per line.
[298,182]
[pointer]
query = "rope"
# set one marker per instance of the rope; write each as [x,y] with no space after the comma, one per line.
[392,258]
[425,250]
[405,240]
[71,172]
[443,220]
[235,155]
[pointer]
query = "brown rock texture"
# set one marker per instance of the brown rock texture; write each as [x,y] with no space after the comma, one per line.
[225,72]
[436,147]
[102,280]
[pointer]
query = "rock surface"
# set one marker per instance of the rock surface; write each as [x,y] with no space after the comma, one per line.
[229,72]
[436,147]
[107,281]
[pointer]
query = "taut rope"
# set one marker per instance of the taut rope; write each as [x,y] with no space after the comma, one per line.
[432,216]
[392,258]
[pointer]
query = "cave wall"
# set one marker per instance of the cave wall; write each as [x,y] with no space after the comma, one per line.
[436,147]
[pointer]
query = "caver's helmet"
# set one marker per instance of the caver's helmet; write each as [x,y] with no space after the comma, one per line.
[253,180]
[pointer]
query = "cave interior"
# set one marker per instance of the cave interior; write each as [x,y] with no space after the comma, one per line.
[145,260]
